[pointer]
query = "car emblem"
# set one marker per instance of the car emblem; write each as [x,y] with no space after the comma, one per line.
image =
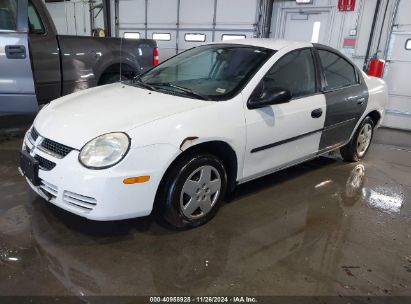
[36,144]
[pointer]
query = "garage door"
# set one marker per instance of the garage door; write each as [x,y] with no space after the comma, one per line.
[178,25]
[398,71]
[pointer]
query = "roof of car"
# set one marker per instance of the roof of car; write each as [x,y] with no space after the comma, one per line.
[269,43]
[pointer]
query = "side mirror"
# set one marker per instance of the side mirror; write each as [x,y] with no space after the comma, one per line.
[269,97]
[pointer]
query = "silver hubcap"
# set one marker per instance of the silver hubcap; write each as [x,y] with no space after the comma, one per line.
[200,192]
[364,139]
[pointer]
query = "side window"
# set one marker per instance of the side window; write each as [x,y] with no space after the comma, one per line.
[294,72]
[338,72]
[8,9]
[35,24]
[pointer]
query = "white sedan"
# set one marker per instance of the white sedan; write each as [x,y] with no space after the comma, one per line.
[176,139]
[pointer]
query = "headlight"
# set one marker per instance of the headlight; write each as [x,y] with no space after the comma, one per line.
[104,151]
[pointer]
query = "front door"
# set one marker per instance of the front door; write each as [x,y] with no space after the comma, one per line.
[17,93]
[283,134]
[45,54]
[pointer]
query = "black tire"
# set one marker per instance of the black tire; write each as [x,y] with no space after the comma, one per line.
[170,197]
[350,152]
[112,78]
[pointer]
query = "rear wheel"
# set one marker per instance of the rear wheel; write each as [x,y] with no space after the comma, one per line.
[360,143]
[192,191]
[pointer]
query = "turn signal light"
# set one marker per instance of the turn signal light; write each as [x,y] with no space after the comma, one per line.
[136,180]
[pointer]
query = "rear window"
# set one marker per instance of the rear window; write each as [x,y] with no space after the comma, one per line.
[8,9]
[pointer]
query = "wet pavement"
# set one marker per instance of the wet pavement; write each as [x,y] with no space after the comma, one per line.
[321,228]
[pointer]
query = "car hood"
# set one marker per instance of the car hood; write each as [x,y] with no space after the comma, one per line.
[75,119]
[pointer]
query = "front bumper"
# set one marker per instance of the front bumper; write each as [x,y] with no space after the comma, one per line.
[100,194]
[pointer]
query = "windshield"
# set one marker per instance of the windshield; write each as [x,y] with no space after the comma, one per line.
[211,72]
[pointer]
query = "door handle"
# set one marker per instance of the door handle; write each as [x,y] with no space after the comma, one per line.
[351,98]
[361,101]
[317,113]
[15,51]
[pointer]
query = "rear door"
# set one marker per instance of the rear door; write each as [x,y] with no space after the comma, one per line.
[302,22]
[309,25]
[17,93]
[346,96]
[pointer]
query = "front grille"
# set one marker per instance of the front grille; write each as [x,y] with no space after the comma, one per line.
[50,146]
[56,148]
[34,134]
[45,164]
[85,203]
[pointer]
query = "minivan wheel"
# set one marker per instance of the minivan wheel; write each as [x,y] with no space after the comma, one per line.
[192,191]
[360,143]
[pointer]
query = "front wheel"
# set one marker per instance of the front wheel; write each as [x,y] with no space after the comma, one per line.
[360,143]
[192,191]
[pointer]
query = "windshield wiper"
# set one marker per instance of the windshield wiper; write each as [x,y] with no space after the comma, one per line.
[137,80]
[182,89]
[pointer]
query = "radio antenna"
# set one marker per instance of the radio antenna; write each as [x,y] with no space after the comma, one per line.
[121,55]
